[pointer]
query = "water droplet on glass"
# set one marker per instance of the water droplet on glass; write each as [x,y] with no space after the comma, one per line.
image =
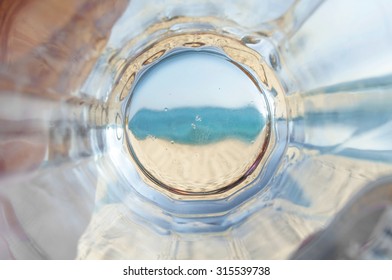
[273,61]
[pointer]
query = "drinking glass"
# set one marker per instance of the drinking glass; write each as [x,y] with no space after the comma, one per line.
[200,129]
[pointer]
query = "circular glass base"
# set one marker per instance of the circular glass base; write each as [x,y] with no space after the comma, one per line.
[197,115]
[196,123]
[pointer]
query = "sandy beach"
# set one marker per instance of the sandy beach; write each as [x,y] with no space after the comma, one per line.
[197,168]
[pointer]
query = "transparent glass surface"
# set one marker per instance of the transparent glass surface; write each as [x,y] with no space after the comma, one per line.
[192,129]
[362,230]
